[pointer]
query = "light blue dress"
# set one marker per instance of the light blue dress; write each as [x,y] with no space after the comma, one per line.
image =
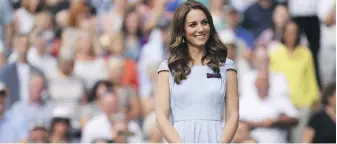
[197,103]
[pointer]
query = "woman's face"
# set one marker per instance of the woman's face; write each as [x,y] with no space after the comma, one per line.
[116,73]
[132,22]
[332,100]
[197,28]
[101,90]
[290,34]
[61,127]
[280,16]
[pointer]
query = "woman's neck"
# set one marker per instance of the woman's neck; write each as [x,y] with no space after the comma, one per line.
[196,54]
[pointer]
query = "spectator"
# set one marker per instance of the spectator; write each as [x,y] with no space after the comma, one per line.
[304,13]
[24,16]
[78,12]
[258,16]
[327,57]
[38,134]
[8,127]
[16,75]
[66,89]
[155,51]
[39,56]
[95,101]
[117,49]
[272,37]
[111,124]
[35,109]
[297,64]
[132,32]
[87,65]
[60,127]
[264,102]
[232,17]
[322,125]
[128,99]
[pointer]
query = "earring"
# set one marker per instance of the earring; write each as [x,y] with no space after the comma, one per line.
[183,40]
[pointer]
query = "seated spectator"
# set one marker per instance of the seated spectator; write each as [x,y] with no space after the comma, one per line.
[128,99]
[66,89]
[38,134]
[87,66]
[36,109]
[65,86]
[39,56]
[95,101]
[117,49]
[60,127]
[16,75]
[322,125]
[9,127]
[112,124]
[264,102]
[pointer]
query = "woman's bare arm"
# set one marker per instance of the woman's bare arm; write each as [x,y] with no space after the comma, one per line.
[308,135]
[162,109]
[232,107]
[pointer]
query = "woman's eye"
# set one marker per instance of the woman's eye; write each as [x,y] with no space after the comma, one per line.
[205,22]
[192,25]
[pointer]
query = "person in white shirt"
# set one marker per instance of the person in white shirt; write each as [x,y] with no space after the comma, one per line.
[265,105]
[16,75]
[39,56]
[327,54]
[111,125]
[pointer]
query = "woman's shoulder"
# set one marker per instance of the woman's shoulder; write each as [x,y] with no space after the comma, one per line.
[163,66]
[229,64]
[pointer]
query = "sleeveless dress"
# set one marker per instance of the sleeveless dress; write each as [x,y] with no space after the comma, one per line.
[197,103]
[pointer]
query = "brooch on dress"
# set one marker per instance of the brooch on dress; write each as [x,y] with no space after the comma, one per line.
[213,75]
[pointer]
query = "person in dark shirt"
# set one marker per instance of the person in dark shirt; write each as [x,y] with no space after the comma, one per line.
[322,125]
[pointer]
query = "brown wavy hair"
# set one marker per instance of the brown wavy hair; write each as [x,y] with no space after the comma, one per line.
[179,60]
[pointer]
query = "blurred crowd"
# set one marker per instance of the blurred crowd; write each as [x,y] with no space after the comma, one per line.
[85,70]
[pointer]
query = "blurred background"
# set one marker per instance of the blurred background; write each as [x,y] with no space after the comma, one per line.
[85,70]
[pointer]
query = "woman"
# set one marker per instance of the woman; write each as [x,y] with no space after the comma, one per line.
[94,107]
[297,64]
[132,33]
[196,56]
[271,37]
[322,125]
